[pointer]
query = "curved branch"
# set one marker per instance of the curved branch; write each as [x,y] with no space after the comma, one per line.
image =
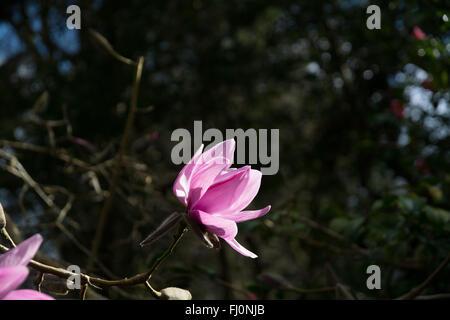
[123,143]
[140,278]
[414,292]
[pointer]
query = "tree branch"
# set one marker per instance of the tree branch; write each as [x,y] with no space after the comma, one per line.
[104,283]
[414,292]
[123,143]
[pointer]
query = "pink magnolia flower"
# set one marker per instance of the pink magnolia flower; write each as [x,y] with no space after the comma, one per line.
[419,34]
[13,271]
[216,195]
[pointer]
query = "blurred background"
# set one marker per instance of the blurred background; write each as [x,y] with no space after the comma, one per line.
[363,116]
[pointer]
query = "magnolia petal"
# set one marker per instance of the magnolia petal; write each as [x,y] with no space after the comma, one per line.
[203,177]
[228,174]
[223,228]
[220,197]
[181,184]
[168,224]
[224,149]
[247,215]
[11,278]
[250,191]
[221,154]
[27,294]
[22,254]
[239,248]
[232,195]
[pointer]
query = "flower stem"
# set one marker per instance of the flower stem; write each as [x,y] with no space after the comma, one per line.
[176,239]
[118,162]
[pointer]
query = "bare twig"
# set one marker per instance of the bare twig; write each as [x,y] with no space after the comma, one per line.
[15,167]
[109,48]
[58,153]
[332,234]
[414,292]
[103,283]
[438,296]
[123,143]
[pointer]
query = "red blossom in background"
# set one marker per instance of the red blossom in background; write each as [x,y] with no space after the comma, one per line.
[419,34]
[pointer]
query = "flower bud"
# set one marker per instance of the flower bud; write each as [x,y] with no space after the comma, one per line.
[173,293]
[167,225]
[2,217]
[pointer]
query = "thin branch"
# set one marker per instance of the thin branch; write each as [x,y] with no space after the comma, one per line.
[313,290]
[123,143]
[109,48]
[332,234]
[7,237]
[414,292]
[60,154]
[103,283]
[438,296]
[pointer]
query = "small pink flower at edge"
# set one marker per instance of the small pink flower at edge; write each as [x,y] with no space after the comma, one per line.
[216,195]
[13,271]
